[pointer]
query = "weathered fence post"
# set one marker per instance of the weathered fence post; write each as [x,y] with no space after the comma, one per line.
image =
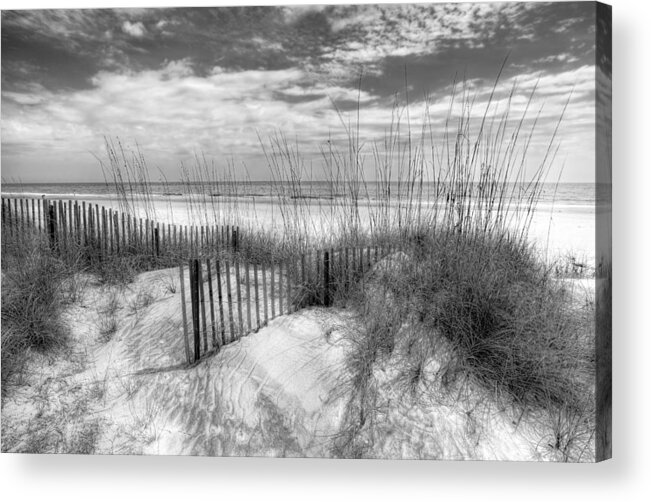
[157,242]
[326,279]
[52,228]
[194,295]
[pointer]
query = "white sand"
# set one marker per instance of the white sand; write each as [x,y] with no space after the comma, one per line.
[276,392]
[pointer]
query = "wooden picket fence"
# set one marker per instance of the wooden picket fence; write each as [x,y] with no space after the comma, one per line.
[103,231]
[228,300]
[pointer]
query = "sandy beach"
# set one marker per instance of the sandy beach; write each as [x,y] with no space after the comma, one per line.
[283,391]
[557,230]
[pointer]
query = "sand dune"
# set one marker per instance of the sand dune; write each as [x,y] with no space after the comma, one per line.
[283,391]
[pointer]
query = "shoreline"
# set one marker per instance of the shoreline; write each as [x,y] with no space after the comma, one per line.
[558,231]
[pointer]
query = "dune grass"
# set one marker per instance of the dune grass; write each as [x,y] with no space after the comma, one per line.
[36,285]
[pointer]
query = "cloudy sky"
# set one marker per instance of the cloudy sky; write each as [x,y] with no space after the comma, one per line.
[214,80]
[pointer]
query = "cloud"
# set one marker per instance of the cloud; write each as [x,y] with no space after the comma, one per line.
[225,113]
[134,29]
[211,80]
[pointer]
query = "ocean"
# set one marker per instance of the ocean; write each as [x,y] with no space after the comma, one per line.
[570,195]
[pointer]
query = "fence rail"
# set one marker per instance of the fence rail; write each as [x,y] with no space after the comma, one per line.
[105,231]
[230,300]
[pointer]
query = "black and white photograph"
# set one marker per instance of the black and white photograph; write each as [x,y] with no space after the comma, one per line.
[374,231]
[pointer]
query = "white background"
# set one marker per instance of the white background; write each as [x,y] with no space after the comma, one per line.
[69,477]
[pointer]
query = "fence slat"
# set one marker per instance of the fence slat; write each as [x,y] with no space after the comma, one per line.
[125,237]
[229,294]
[91,226]
[98,229]
[273,293]
[156,241]
[257,296]
[239,299]
[53,230]
[194,294]
[61,226]
[222,321]
[10,218]
[71,225]
[17,218]
[24,214]
[348,273]
[105,232]
[212,304]
[78,223]
[288,271]
[186,343]
[149,237]
[140,241]
[248,296]
[326,278]
[264,295]
[280,289]
[202,300]
[109,230]
[22,218]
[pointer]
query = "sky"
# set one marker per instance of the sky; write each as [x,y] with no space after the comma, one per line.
[177,83]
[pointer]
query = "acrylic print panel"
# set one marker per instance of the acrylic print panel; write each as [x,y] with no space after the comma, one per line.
[352,231]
